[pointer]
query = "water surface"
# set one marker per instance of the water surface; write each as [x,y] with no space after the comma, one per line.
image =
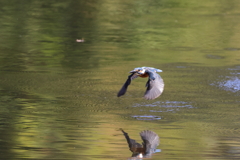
[58,96]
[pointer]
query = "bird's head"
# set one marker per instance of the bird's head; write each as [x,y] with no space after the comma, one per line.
[139,70]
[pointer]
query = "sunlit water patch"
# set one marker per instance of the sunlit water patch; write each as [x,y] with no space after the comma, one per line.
[232,82]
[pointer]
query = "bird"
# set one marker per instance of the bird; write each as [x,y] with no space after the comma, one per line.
[148,147]
[155,84]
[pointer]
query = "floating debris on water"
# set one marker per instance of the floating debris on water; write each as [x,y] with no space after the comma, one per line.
[80,40]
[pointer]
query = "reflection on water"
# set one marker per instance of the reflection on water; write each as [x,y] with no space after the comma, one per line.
[226,147]
[145,149]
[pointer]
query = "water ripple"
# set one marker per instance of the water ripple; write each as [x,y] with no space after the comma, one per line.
[166,104]
[159,107]
[146,117]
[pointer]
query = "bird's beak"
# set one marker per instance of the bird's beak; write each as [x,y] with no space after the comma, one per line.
[133,71]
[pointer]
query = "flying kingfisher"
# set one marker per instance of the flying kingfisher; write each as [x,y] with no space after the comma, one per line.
[155,84]
[148,147]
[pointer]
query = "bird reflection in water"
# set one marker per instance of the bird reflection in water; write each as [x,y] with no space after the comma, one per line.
[148,146]
[155,84]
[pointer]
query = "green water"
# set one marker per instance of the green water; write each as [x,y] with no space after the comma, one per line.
[58,96]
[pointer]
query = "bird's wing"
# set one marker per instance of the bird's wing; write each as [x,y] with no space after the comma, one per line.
[123,90]
[133,145]
[155,85]
[134,76]
[150,141]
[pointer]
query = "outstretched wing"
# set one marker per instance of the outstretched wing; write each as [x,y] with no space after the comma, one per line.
[155,85]
[133,145]
[150,141]
[123,90]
